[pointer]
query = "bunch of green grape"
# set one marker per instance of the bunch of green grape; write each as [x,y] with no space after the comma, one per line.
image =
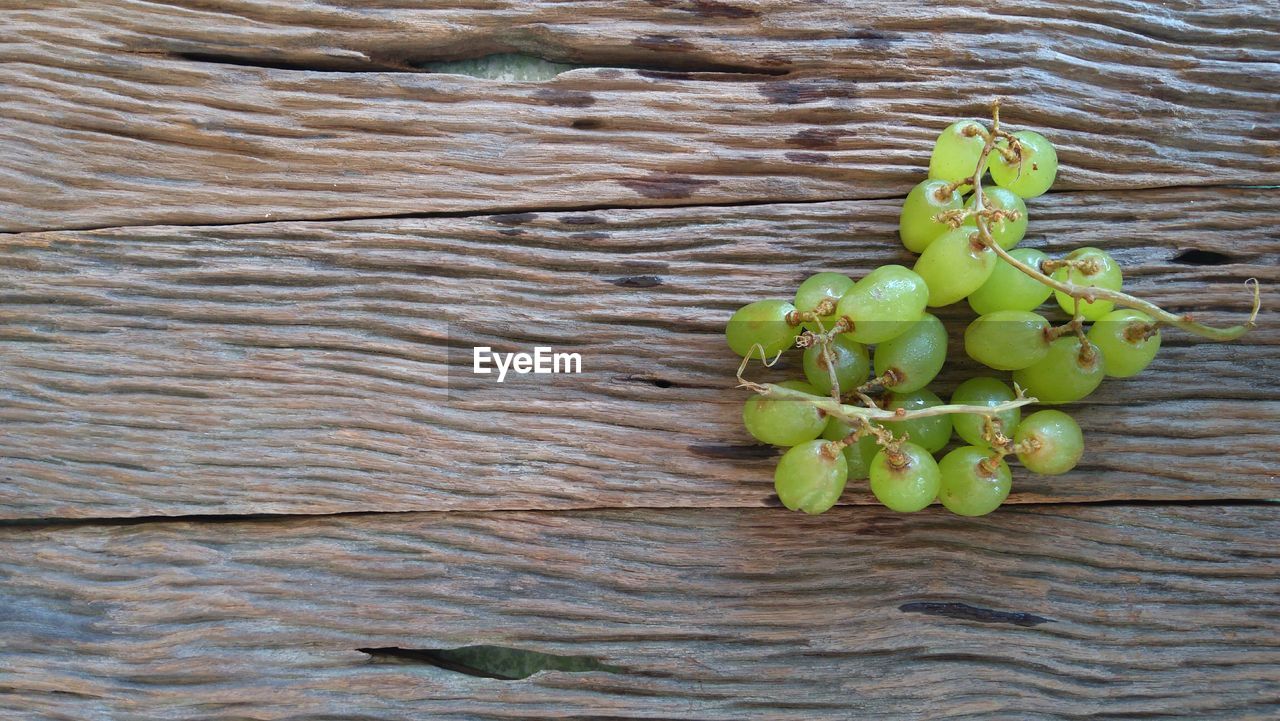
[873,343]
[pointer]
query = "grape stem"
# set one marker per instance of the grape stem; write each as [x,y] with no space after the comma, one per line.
[881,383]
[1088,266]
[808,338]
[1001,445]
[1137,331]
[854,415]
[824,308]
[1075,325]
[829,359]
[993,433]
[867,400]
[883,436]
[863,416]
[1087,293]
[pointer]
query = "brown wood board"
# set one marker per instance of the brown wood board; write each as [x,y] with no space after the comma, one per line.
[1033,613]
[123,113]
[245,246]
[301,367]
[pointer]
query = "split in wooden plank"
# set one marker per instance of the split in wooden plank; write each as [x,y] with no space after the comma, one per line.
[125,113]
[304,367]
[1038,613]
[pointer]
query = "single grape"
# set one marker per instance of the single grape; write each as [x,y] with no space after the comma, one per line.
[956,152]
[810,477]
[1009,288]
[1007,339]
[916,225]
[883,304]
[763,322]
[931,432]
[915,356]
[954,266]
[1108,276]
[784,422]
[851,363]
[1122,337]
[857,456]
[905,481]
[1034,170]
[820,287]
[983,391]
[1056,441]
[1007,233]
[1064,374]
[968,488]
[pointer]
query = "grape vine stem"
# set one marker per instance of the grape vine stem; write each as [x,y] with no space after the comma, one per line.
[1087,293]
[857,414]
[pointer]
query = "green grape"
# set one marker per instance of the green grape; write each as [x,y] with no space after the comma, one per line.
[1108,277]
[857,456]
[1063,375]
[968,489]
[1006,233]
[915,356]
[955,154]
[810,477]
[1007,339]
[1009,288]
[930,433]
[1121,336]
[883,304]
[1033,172]
[763,322]
[1057,440]
[916,225]
[906,481]
[983,391]
[954,266]
[820,287]
[783,422]
[851,364]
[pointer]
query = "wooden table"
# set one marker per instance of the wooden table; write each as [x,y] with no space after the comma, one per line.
[239,232]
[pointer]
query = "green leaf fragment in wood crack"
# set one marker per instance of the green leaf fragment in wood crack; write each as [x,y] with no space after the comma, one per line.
[503,66]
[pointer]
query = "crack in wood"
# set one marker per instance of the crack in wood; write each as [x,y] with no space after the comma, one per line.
[637,281]
[730,451]
[668,62]
[973,613]
[497,662]
[1196,256]
[519,215]
[336,65]
[711,451]
[503,215]
[651,380]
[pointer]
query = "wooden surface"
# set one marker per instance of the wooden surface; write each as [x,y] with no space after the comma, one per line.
[218,112]
[242,241]
[301,367]
[1033,613]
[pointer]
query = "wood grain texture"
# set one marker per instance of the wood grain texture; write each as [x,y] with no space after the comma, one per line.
[301,367]
[119,112]
[1032,613]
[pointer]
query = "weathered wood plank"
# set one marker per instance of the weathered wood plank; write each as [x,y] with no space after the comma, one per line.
[119,112]
[1034,613]
[301,367]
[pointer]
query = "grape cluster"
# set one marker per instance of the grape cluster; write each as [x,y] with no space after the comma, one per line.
[871,347]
